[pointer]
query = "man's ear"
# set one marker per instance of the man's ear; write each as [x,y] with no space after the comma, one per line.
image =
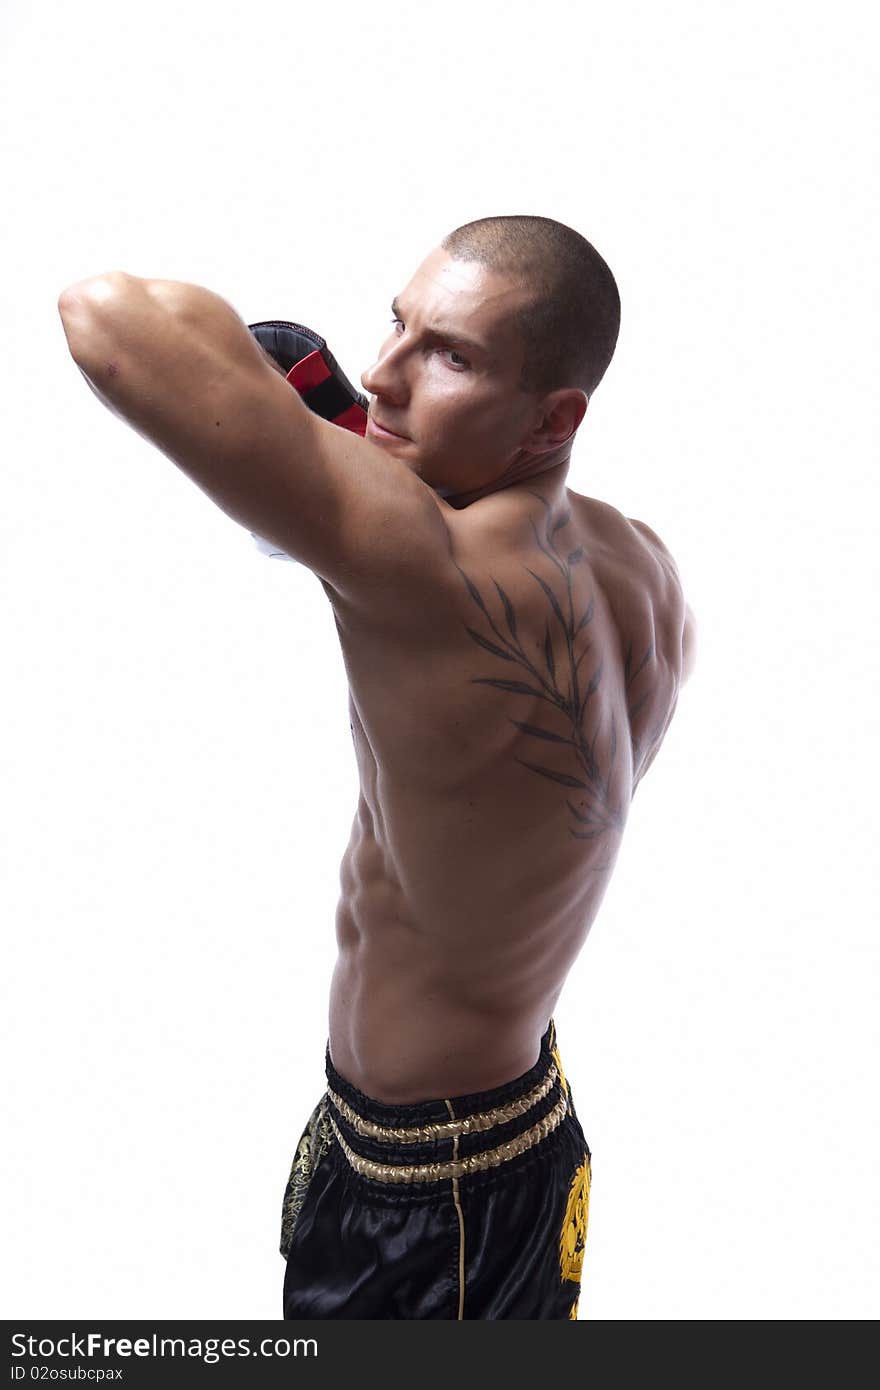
[561,414]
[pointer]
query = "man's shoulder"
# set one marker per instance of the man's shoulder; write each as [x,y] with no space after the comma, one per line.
[653,545]
[671,599]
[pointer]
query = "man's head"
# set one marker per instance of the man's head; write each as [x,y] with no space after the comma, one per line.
[540,312]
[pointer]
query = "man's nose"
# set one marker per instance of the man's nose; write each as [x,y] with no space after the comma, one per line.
[384,378]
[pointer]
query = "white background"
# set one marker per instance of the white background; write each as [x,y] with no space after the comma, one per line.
[178,780]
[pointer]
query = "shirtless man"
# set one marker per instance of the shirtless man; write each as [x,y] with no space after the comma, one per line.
[515,653]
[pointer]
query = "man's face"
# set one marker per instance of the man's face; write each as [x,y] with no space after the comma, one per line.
[457,404]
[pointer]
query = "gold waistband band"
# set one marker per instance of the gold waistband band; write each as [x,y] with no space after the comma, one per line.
[456,1167]
[447,1129]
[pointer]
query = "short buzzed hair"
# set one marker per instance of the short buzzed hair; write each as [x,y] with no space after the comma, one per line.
[571,321]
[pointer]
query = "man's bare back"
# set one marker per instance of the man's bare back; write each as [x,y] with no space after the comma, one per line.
[499,744]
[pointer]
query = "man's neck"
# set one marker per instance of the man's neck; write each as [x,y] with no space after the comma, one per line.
[552,474]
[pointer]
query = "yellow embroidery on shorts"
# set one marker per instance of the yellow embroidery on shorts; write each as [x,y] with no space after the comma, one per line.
[315,1141]
[573,1237]
[554,1053]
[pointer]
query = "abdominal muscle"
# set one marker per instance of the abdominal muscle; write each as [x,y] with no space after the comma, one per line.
[415,1018]
[456,926]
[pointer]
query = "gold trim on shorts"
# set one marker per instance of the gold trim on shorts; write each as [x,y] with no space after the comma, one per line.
[455,1168]
[447,1129]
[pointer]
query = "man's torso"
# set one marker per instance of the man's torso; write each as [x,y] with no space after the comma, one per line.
[499,741]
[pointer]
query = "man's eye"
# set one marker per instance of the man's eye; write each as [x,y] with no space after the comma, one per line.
[462,361]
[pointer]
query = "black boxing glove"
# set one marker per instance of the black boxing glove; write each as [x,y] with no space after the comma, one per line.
[308,364]
[311,368]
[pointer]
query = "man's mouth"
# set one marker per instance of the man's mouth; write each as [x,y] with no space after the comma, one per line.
[382,429]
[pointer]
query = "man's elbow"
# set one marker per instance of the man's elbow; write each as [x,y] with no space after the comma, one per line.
[82,308]
[94,291]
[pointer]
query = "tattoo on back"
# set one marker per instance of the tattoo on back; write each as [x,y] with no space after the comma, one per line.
[558,687]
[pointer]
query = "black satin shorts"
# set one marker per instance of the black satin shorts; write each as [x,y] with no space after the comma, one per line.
[471,1207]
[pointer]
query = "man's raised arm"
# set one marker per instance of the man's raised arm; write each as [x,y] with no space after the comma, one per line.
[176,363]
